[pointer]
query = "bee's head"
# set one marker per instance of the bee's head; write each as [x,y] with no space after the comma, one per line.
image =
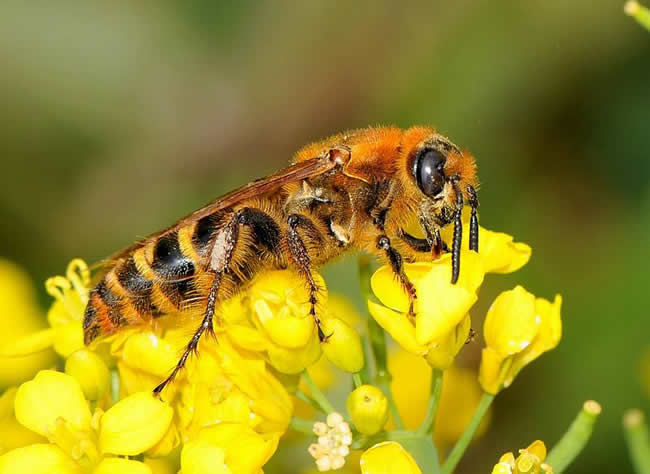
[442,178]
[442,172]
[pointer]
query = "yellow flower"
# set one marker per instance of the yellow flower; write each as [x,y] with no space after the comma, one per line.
[65,315]
[368,409]
[529,461]
[90,371]
[20,316]
[134,424]
[52,396]
[518,328]
[387,458]
[38,459]
[53,405]
[461,394]
[279,301]
[13,434]
[227,448]
[441,323]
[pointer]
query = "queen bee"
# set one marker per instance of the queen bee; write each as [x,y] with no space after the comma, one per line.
[356,190]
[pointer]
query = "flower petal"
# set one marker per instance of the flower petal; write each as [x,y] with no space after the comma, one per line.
[245,450]
[149,353]
[201,456]
[440,306]
[387,458]
[90,371]
[38,459]
[123,466]
[13,434]
[491,375]
[548,336]
[511,323]
[134,424]
[500,254]
[29,344]
[389,292]
[293,361]
[51,395]
[442,353]
[398,326]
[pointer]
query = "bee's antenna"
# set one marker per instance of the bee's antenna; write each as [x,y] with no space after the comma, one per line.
[458,235]
[473,220]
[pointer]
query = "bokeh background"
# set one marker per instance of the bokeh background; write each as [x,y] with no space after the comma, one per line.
[119,117]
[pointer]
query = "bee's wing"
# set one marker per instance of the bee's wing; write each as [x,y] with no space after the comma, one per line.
[296,172]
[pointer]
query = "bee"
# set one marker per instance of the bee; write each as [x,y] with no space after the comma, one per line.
[356,190]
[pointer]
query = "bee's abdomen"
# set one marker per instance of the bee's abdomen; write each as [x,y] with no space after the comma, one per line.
[159,277]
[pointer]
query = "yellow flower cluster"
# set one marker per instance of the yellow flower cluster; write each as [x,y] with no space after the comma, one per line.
[227,410]
[529,461]
[518,327]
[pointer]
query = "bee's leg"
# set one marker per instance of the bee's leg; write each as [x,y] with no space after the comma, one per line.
[302,260]
[206,325]
[221,257]
[397,264]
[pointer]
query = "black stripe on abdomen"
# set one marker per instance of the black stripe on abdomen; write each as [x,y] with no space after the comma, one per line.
[138,287]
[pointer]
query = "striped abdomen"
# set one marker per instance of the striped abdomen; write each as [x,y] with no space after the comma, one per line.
[163,275]
[169,273]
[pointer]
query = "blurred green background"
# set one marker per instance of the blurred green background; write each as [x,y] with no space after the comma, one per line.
[119,117]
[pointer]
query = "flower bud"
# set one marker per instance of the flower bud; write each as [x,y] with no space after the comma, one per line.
[134,424]
[368,409]
[90,371]
[343,345]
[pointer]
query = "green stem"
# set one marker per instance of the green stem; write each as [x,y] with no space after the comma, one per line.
[364,373]
[640,13]
[308,400]
[434,398]
[316,394]
[638,440]
[424,453]
[575,438]
[461,445]
[302,426]
[378,344]
[356,379]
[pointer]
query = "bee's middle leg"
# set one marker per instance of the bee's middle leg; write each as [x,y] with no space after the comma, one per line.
[397,264]
[302,260]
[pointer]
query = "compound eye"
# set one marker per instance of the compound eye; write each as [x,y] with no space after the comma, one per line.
[428,171]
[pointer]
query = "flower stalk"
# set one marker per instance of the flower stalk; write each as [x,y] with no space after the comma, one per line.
[316,394]
[575,438]
[432,407]
[461,445]
[378,344]
[638,440]
[640,13]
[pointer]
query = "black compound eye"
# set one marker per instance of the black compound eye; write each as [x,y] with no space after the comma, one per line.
[428,172]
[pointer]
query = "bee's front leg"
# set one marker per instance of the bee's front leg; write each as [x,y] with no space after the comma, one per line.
[397,264]
[303,262]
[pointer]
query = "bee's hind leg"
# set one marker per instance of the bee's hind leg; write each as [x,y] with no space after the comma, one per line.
[220,260]
[206,325]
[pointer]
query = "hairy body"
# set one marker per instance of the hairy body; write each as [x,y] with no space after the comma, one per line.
[357,190]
